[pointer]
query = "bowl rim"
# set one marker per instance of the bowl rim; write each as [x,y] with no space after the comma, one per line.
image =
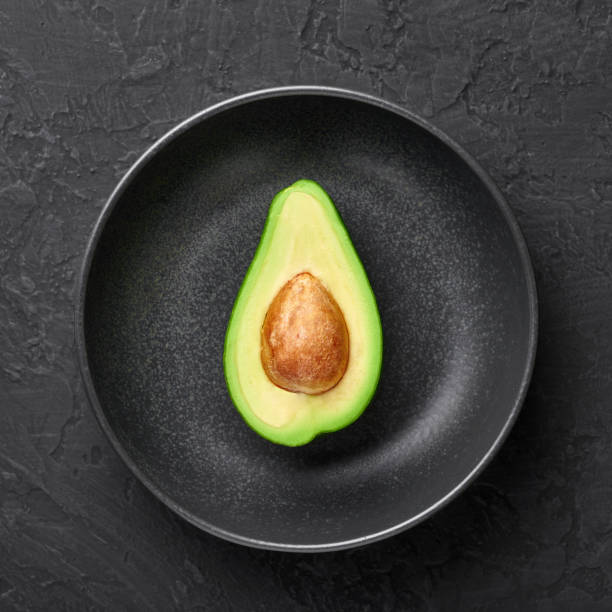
[150,153]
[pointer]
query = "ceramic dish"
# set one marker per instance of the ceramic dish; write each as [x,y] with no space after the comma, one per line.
[447,264]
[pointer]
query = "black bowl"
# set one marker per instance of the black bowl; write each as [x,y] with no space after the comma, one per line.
[447,263]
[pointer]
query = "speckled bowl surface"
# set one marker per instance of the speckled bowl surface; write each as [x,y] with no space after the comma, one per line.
[446,261]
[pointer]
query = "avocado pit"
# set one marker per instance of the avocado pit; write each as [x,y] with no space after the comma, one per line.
[304,337]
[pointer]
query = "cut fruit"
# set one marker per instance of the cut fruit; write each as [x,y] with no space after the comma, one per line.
[290,389]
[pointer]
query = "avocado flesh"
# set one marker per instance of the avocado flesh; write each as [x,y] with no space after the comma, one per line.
[303,233]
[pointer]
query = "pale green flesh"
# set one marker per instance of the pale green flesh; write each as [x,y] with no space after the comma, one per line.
[303,233]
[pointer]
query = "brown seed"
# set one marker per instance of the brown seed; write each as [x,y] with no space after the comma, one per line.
[304,338]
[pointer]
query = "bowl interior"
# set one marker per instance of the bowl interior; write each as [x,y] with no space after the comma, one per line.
[452,286]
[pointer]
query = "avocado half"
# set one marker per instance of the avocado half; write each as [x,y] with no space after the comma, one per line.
[303,233]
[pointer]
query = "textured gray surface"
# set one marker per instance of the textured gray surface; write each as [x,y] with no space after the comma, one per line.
[86,86]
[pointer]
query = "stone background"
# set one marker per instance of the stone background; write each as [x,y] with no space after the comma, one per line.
[88,85]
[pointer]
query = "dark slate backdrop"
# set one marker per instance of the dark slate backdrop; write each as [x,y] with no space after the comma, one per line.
[87,85]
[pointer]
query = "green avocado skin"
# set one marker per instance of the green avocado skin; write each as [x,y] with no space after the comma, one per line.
[309,422]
